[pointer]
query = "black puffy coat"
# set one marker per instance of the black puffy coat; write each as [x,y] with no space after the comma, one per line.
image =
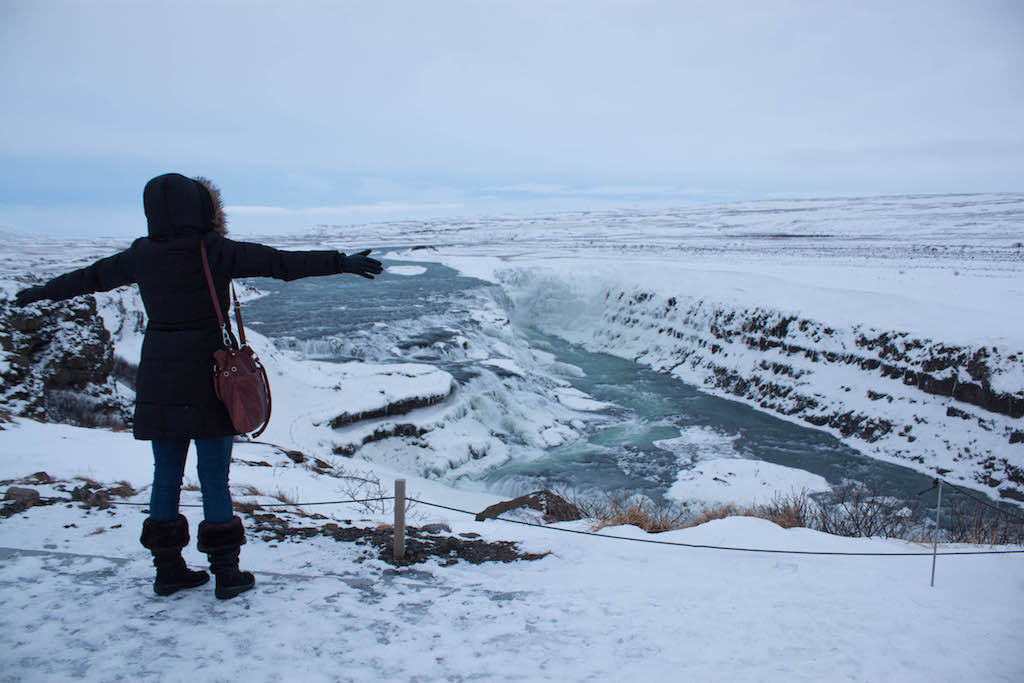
[175,398]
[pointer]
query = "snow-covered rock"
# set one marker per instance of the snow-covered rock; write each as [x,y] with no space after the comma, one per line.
[57,363]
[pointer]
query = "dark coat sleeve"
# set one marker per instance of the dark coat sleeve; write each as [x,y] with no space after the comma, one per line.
[102,276]
[247,259]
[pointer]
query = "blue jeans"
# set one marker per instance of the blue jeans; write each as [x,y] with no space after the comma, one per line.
[169,467]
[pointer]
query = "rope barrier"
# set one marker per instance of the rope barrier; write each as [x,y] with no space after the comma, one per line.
[719,547]
[700,546]
[979,500]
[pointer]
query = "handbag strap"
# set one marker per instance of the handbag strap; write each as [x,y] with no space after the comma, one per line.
[216,304]
[238,315]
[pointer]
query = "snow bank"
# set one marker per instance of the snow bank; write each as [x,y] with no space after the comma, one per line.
[745,482]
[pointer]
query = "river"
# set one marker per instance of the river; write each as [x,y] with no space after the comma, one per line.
[652,427]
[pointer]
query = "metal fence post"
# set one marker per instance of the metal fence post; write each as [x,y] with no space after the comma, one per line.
[399,549]
[935,536]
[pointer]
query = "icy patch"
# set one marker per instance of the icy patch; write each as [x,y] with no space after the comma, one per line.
[509,366]
[405,270]
[578,400]
[747,482]
[700,443]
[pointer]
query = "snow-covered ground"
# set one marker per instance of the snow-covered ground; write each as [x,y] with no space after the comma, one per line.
[75,596]
[595,608]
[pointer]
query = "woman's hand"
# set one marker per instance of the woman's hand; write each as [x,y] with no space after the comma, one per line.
[29,296]
[361,264]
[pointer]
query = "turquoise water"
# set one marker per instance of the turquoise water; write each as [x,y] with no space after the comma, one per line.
[433,316]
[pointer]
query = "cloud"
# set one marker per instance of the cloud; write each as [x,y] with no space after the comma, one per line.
[440,104]
[312,184]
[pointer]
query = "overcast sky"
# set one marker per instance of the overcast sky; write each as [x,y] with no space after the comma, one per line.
[340,112]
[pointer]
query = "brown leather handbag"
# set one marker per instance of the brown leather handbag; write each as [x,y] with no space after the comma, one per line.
[239,379]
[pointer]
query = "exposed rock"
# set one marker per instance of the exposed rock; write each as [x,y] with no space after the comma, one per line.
[90,496]
[381,433]
[26,497]
[418,546]
[395,408]
[60,364]
[19,499]
[804,369]
[554,507]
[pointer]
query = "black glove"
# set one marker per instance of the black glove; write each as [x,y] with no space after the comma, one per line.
[361,264]
[29,296]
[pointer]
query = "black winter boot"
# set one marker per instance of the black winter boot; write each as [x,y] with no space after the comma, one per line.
[165,540]
[221,542]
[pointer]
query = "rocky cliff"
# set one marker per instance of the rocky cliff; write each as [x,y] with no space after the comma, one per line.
[57,364]
[941,408]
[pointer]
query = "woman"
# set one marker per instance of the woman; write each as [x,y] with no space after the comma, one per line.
[175,401]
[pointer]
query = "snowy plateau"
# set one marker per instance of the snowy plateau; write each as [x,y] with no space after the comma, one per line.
[892,323]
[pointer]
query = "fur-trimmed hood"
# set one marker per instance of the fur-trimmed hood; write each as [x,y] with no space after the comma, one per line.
[176,204]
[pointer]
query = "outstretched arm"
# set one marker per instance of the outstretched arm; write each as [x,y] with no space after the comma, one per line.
[247,259]
[104,275]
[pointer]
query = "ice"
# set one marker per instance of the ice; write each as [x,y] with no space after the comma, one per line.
[509,366]
[699,443]
[405,270]
[745,482]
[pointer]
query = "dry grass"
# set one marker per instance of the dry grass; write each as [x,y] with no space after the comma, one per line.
[979,527]
[284,497]
[847,511]
[710,513]
[790,510]
[852,510]
[249,490]
[122,489]
[246,507]
[786,511]
[633,511]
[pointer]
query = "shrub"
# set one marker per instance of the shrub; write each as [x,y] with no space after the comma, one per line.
[857,510]
[81,410]
[124,371]
[638,511]
[709,513]
[970,524]
[793,509]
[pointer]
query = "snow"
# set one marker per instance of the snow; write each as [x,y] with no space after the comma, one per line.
[578,400]
[506,364]
[75,586]
[405,270]
[746,482]
[593,608]
[714,472]
[699,443]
